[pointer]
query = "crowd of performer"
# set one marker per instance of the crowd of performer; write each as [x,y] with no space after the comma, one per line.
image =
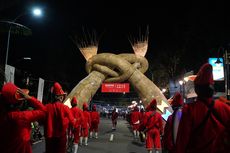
[201,126]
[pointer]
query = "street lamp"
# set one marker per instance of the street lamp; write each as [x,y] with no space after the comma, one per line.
[36,12]
[23,58]
[226,69]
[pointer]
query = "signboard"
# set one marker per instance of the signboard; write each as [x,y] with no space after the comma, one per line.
[218,69]
[40,89]
[9,73]
[115,87]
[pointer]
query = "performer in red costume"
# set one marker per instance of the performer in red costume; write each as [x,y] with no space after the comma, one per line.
[114,117]
[57,120]
[85,132]
[15,124]
[78,115]
[172,123]
[153,125]
[95,120]
[135,118]
[203,121]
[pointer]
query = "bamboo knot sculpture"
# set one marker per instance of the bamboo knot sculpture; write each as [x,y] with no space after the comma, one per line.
[108,67]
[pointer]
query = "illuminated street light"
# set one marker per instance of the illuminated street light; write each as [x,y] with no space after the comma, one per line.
[36,12]
[180,82]
[163,90]
[226,69]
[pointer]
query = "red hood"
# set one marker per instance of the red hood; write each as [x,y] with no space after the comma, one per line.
[8,93]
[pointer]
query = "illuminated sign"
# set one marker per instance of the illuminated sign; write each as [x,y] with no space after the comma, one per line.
[218,68]
[115,87]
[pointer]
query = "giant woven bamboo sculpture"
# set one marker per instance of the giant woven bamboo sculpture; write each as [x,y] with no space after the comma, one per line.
[108,67]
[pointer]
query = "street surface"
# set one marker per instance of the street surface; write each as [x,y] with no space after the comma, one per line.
[123,141]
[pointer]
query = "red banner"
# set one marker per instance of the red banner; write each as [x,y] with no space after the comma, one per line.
[115,87]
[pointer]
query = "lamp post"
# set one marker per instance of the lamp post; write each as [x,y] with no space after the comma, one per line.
[21,59]
[181,83]
[226,70]
[35,11]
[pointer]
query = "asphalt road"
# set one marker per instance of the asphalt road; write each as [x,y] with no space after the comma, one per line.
[123,141]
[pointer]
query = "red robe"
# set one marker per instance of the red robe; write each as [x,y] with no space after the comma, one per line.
[78,115]
[191,138]
[15,128]
[155,126]
[135,118]
[57,120]
[87,125]
[171,130]
[95,120]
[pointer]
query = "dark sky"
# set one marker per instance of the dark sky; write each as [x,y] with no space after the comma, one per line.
[197,31]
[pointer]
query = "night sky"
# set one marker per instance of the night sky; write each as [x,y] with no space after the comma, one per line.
[197,32]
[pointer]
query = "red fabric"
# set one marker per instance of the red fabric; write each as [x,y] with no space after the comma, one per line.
[94,107]
[74,101]
[151,105]
[95,120]
[85,106]
[177,100]
[135,117]
[57,89]
[8,93]
[155,126]
[167,141]
[58,118]
[114,116]
[87,125]
[57,121]
[204,76]
[142,113]
[16,128]
[78,115]
[56,145]
[205,139]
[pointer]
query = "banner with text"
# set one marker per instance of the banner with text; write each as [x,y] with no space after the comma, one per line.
[115,87]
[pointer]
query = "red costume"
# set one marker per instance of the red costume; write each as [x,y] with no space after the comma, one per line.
[57,120]
[172,123]
[79,117]
[95,120]
[15,125]
[153,124]
[114,118]
[135,118]
[87,118]
[87,124]
[200,130]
